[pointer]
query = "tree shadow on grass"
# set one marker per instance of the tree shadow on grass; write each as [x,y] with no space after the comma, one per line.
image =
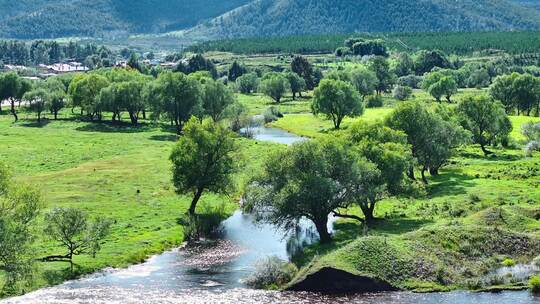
[116,127]
[450,183]
[35,124]
[165,137]
[499,155]
[58,276]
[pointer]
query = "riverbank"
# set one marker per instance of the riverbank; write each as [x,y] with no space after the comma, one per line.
[118,171]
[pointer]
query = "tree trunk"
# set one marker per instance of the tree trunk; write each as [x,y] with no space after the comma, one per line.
[434,171]
[424,179]
[322,229]
[293,96]
[410,173]
[144,114]
[368,212]
[486,151]
[195,201]
[55,115]
[39,116]
[13,112]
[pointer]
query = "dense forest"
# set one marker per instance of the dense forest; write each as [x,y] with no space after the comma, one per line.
[58,18]
[288,17]
[458,43]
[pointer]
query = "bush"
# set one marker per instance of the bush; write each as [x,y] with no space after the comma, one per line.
[509,262]
[534,284]
[374,101]
[272,114]
[343,51]
[402,93]
[271,273]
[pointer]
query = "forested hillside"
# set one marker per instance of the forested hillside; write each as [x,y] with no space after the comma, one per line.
[57,18]
[297,17]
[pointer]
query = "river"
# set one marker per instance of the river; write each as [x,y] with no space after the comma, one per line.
[213,273]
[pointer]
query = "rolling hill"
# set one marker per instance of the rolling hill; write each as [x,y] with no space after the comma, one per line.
[297,17]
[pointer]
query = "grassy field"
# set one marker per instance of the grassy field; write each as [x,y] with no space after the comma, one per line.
[120,172]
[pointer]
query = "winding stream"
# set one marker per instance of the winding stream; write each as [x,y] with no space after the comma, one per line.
[213,273]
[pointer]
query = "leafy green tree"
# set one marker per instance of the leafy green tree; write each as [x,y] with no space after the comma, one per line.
[432,138]
[275,86]
[369,48]
[386,79]
[526,89]
[301,66]
[439,85]
[502,90]
[216,98]
[19,207]
[56,102]
[309,180]
[485,119]
[83,91]
[38,99]
[404,65]
[236,70]
[203,160]
[385,147]
[364,81]
[13,88]
[178,96]
[297,84]
[336,99]
[425,61]
[402,93]
[72,229]
[196,63]
[247,83]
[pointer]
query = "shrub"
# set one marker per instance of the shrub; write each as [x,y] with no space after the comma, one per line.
[272,114]
[509,262]
[402,93]
[271,273]
[474,198]
[374,101]
[534,284]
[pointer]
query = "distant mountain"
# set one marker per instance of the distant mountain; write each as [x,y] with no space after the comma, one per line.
[59,18]
[241,18]
[296,17]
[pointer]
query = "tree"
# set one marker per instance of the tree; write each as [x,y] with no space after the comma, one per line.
[203,160]
[336,99]
[370,47]
[485,119]
[198,63]
[404,65]
[38,99]
[310,180]
[236,70]
[216,98]
[72,229]
[301,66]
[13,88]
[83,91]
[297,84]
[56,102]
[19,207]
[380,66]
[247,83]
[531,131]
[432,139]
[178,96]
[364,81]
[502,90]
[526,89]
[425,61]
[275,86]
[439,85]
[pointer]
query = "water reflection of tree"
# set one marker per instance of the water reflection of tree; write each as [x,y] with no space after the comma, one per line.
[303,236]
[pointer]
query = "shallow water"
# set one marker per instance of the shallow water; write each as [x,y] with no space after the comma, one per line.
[213,273]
